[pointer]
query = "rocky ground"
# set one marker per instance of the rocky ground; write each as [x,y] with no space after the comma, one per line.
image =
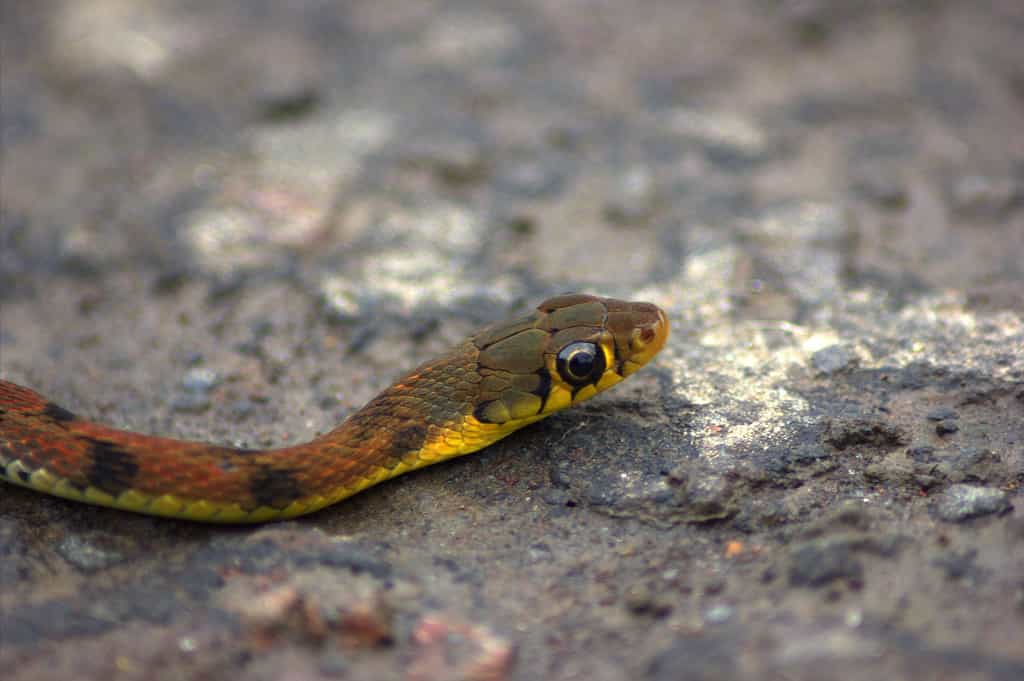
[237,221]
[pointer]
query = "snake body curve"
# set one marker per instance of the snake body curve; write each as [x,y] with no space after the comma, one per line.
[502,378]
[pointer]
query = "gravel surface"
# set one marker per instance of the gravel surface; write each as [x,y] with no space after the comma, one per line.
[237,221]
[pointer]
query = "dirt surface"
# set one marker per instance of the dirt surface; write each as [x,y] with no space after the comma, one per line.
[236,221]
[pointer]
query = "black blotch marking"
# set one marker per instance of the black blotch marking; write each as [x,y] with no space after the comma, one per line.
[25,476]
[275,487]
[58,413]
[479,414]
[543,391]
[113,470]
[408,439]
[229,455]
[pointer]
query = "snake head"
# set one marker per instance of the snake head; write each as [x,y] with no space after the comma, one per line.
[571,348]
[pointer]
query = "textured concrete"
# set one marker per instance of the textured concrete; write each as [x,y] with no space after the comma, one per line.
[237,221]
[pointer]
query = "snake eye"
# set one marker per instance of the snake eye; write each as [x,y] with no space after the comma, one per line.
[580,363]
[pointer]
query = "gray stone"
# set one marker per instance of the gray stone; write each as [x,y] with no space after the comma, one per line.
[200,380]
[820,562]
[834,358]
[88,556]
[942,414]
[963,502]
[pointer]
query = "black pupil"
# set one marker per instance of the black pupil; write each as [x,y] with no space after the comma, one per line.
[581,362]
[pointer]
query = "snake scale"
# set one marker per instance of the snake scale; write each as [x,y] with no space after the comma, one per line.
[502,378]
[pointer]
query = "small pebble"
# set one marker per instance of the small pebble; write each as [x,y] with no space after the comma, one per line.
[200,380]
[242,409]
[922,453]
[956,565]
[329,403]
[556,497]
[561,474]
[946,427]
[641,600]
[539,552]
[633,197]
[531,179]
[833,359]
[884,189]
[86,555]
[717,614]
[963,502]
[820,562]
[454,161]
[990,196]
[286,103]
[191,403]
[251,348]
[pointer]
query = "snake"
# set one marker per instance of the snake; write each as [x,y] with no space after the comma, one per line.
[503,377]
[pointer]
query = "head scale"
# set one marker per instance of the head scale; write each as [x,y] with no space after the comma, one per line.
[570,349]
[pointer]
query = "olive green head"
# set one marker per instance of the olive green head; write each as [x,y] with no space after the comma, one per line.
[570,349]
